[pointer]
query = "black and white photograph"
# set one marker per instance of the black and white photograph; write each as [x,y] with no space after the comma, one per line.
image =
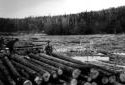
[62,42]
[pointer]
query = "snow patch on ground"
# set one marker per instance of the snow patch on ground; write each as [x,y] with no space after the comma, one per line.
[90,58]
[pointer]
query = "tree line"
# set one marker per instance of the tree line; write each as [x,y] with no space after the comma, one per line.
[107,21]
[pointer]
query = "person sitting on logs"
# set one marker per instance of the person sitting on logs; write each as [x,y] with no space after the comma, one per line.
[48,48]
[10,45]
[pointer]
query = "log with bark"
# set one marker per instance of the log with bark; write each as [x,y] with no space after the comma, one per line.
[63,61]
[72,72]
[17,77]
[1,82]
[67,58]
[48,66]
[88,65]
[66,63]
[5,74]
[45,74]
[33,75]
[51,71]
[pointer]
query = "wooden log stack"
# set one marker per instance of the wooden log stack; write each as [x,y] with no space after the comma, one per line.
[54,69]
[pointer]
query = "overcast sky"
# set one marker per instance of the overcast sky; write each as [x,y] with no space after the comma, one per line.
[25,8]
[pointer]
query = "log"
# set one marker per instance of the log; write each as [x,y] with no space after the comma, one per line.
[21,66]
[102,68]
[112,79]
[47,66]
[10,66]
[70,64]
[3,79]
[1,82]
[73,82]
[52,72]
[6,74]
[85,65]
[63,61]
[94,73]
[82,68]
[34,76]
[98,76]
[67,58]
[121,78]
[94,83]
[44,73]
[87,83]
[66,69]
[23,73]
[105,80]
[18,78]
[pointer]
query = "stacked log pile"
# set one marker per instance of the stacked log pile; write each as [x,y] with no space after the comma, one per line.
[54,69]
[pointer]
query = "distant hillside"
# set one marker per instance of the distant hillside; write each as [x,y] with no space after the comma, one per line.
[105,21]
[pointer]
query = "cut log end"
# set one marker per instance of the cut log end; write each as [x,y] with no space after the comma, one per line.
[89,79]
[94,73]
[122,77]
[73,82]
[112,79]
[54,75]
[87,83]
[27,82]
[117,83]
[76,73]
[46,76]
[60,72]
[38,80]
[105,80]
[94,83]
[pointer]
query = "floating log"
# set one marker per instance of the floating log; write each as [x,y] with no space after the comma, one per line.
[66,69]
[44,73]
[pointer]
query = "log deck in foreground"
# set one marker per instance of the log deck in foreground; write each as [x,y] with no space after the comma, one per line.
[67,58]
[69,71]
[33,75]
[52,72]
[44,73]
[47,66]
[15,73]
[63,61]
[6,74]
